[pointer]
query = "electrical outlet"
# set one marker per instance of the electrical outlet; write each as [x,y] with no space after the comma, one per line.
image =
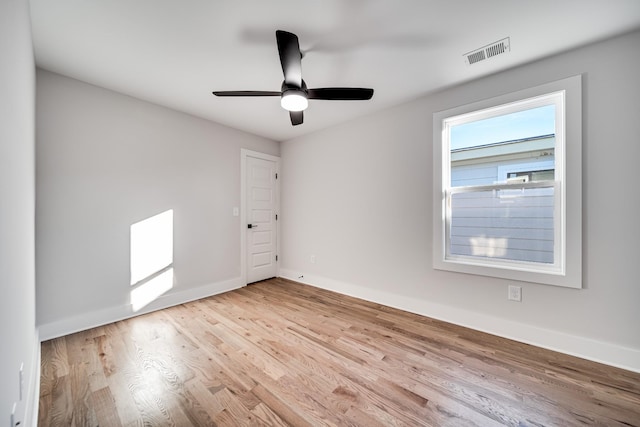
[313,259]
[515,293]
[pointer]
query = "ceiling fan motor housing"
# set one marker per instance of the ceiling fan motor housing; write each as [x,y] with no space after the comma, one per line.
[294,98]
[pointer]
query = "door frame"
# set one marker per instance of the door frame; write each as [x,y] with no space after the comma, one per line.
[244,154]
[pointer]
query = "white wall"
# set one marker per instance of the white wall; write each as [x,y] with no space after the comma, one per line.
[358,197]
[106,161]
[18,333]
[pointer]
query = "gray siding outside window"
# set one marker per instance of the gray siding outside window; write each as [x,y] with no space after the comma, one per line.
[512,224]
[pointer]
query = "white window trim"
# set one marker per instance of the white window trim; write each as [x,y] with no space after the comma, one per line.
[569,151]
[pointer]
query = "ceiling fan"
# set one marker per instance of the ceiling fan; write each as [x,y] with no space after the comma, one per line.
[294,94]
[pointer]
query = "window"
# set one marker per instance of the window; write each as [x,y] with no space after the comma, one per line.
[507,179]
[537,175]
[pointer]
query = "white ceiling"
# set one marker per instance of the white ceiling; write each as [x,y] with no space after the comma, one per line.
[175,52]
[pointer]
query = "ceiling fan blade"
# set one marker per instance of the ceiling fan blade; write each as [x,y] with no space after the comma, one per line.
[341,93]
[246,93]
[290,57]
[296,117]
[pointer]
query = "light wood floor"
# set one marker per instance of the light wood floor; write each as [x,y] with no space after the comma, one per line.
[282,353]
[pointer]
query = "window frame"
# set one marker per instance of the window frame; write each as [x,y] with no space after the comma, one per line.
[567,268]
[505,170]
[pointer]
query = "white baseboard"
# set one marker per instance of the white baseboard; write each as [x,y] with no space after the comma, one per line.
[586,348]
[96,318]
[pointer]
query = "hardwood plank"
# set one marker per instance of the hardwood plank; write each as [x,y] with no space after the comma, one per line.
[82,412]
[282,409]
[61,411]
[281,353]
[266,416]
[104,406]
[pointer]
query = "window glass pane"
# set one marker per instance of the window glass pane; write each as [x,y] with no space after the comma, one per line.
[512,224]
[484,152]
[506,127]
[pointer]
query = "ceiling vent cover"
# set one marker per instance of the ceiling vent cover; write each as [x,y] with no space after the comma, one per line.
[489,51]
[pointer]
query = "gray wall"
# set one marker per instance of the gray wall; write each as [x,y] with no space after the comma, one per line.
[359,198]
[106,161]
[18,333]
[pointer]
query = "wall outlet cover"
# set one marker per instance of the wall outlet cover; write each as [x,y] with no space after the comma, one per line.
[515,293]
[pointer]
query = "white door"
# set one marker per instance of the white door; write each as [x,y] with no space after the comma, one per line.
[262,204]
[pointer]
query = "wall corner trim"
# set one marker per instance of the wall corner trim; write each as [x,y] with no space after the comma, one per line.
[33,389]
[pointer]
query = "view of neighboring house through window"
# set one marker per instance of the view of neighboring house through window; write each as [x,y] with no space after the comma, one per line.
[502,184]
[507,186]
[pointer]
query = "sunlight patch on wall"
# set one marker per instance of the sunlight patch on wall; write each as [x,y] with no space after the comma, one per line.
[150,290]
[151,258]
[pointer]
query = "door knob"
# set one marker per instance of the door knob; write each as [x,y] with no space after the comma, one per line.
[252,225]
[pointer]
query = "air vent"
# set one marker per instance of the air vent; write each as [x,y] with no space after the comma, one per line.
[486,52]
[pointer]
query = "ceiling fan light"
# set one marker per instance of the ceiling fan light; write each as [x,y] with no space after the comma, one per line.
[294,101]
